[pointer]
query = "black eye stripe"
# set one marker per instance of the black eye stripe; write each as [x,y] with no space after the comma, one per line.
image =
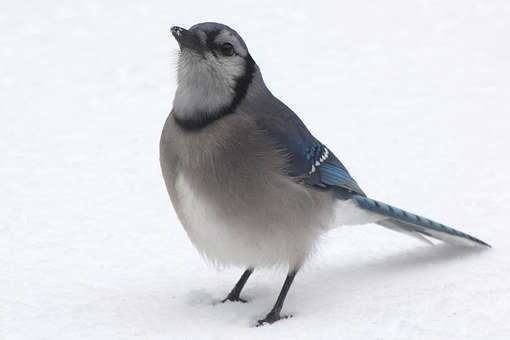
[210,40]
[227,49]
[215,47]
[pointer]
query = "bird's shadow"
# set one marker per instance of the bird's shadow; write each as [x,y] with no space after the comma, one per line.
[343,276]
[401,262]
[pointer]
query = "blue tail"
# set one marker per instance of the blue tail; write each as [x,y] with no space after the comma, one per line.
[411,223]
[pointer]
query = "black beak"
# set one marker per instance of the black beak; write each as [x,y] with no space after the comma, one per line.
[186,39]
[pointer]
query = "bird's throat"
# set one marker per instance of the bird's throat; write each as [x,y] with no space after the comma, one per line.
[199,101]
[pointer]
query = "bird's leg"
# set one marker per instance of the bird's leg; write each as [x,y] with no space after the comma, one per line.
[274,314]
[236,291]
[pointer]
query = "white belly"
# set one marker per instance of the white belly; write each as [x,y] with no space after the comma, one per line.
[242,241]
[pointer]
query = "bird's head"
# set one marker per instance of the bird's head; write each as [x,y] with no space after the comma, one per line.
[214,72]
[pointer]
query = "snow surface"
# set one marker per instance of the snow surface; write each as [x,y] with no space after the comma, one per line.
[412,95]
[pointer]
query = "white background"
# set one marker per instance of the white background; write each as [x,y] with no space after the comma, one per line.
[413,96]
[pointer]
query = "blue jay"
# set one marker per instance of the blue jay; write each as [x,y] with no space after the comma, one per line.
[250,184]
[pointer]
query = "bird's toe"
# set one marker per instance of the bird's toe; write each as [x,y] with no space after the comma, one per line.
[234,299]
[272,318]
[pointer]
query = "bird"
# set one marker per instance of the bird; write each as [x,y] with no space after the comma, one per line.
[252,187]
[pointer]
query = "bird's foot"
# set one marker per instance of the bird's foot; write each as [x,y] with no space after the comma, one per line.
[233,299]
[272,318]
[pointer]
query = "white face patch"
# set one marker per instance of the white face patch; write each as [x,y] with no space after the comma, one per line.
[206,83]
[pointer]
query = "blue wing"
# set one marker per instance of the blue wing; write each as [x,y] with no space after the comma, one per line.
[309,159]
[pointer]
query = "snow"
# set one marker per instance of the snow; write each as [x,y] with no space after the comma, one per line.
[411,95]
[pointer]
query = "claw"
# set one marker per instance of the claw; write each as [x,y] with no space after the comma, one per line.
[272,318]
[233,299]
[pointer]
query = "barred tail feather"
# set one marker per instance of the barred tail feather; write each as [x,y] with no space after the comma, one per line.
[403,221]
[396,226]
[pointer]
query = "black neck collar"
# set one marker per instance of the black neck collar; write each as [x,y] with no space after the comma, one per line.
[203,119]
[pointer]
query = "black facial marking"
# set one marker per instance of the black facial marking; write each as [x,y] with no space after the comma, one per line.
[202,119]
[210,40]
[227,49]
[243,83]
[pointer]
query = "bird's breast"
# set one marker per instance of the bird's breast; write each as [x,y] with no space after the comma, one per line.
[234,199]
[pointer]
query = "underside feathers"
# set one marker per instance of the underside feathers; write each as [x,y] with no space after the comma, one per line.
[403,221]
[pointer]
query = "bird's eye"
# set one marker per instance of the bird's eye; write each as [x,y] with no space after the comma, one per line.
[227,49]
